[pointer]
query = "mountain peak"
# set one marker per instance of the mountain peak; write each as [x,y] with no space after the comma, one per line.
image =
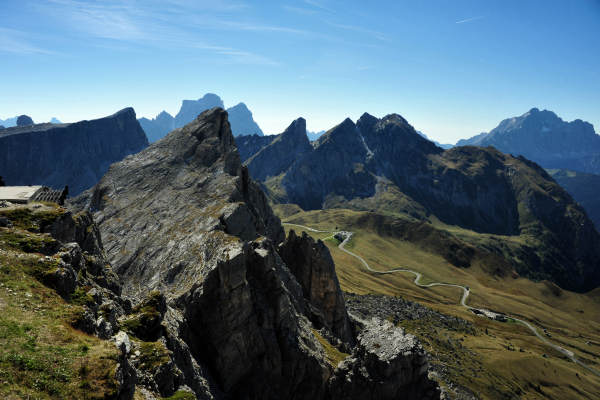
[544,137]
[277,156]
[164,114]
[211,97]
[394,118]
[190,109]
[242,122]
[240,106]
[297,127]
[124,113]
[24,120]
[366,121]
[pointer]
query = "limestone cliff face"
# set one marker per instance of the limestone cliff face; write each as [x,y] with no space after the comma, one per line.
[75,154]
[183,218]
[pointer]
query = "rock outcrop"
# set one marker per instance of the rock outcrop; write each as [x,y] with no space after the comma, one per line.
[545,138]
[281,153]
[383,351]
[76,154]
[197,247]
[313,267]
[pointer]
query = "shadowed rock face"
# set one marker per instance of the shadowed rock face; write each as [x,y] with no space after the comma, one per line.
[313,267]
[277,156]
[249,145]
[184,218]
[76,154]
[584,188]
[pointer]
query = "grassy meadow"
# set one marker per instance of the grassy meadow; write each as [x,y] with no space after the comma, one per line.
[502,359]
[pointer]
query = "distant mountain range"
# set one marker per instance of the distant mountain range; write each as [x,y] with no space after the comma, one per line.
[385,166]
[312,136]
[10,122]
[76,154]
[438,144]
[543,137]
[240,118]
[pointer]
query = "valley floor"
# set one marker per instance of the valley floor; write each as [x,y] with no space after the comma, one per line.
[495,359]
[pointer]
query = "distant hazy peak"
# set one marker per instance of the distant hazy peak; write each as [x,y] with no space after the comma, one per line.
[240,106]
[208,98]
[24,120]
[163,114]
[242,121]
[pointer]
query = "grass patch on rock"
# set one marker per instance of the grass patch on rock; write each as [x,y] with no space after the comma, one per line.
[152,355]
[181,395]
[332,354]
[32,220]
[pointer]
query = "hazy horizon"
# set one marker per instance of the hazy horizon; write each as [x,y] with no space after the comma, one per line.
[452,70]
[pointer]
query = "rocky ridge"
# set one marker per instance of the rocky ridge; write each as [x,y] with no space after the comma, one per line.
[233,302]
[384,165]
[76,154]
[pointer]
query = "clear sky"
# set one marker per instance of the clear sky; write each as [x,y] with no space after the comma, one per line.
[452,68]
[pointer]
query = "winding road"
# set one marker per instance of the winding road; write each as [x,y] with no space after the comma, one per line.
[463,301]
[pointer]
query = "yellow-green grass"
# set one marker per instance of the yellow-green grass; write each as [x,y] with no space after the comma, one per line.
[332,354]
[572,319]
[41,355]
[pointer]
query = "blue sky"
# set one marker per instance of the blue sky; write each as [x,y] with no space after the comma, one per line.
[453,68]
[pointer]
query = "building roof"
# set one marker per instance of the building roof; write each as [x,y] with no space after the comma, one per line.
[26,194]
[18,194]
